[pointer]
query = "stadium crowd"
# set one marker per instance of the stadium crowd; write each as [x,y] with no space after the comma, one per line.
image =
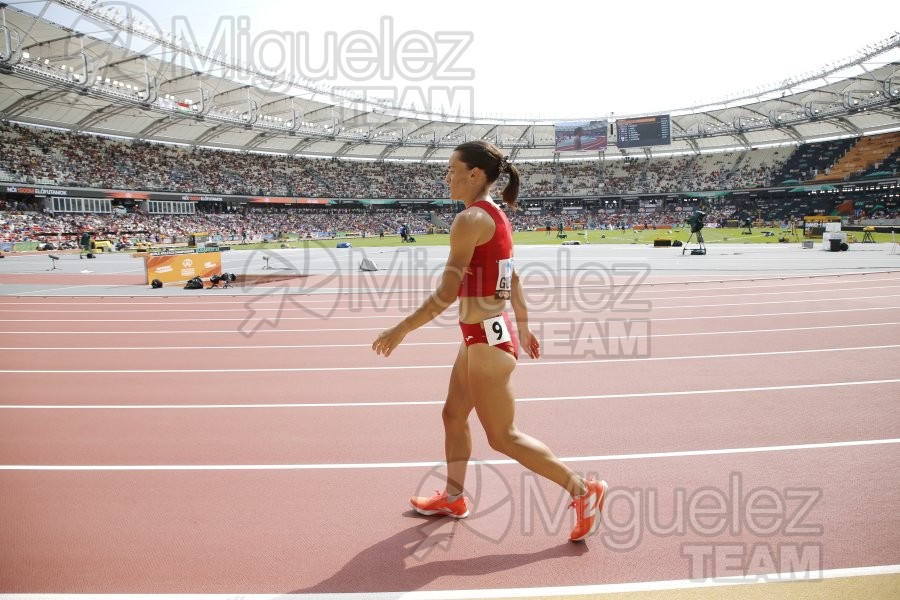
[248,225]
[50,157]
[47,157]
[25,223]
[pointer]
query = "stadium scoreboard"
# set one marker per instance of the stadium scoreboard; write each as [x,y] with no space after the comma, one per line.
[643,131]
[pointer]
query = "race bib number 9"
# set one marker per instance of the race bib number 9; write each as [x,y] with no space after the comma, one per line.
[503,290]
[496,331]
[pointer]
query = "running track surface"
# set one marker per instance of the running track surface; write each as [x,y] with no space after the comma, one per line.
[149,446]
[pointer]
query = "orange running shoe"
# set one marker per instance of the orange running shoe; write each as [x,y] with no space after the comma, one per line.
[439,505]
[587,509]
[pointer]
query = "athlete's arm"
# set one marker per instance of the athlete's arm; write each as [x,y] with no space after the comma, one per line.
[527,339]
[464,235]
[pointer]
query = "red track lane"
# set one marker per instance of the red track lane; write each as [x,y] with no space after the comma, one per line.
[558,343]
[289,333]
[700,318]
[404,297]
[408,290]
[320,309]
[340,531]
[406,294]
[570,428]
[313,306]
[251,322]
[588,300]
[532,379]
[349,530]
[549,299]
[566,279]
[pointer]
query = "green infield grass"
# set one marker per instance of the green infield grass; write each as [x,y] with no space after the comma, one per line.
[641,237]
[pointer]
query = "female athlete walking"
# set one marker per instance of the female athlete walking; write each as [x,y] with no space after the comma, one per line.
[480,273]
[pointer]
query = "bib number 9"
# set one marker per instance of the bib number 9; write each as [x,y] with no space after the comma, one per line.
[496,331]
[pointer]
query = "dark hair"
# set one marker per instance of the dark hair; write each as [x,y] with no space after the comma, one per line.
[489,159]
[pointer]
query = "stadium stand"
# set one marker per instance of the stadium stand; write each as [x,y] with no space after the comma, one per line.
[48,157]
[867,152]
[811,159]
[39,156]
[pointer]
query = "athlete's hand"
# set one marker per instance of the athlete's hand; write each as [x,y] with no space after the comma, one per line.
[530,343]
[389,339]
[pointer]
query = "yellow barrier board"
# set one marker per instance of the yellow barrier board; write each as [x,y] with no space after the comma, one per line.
[174,268]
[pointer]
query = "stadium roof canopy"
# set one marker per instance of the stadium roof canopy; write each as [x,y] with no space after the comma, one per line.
[133,81]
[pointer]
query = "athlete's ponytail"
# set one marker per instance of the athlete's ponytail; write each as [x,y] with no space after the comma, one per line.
[489,159]
[511,192]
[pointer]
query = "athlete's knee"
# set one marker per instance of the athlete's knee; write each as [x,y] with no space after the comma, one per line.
[502,440]
[455,414]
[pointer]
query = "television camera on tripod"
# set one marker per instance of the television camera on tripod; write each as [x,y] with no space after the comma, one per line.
[696,221]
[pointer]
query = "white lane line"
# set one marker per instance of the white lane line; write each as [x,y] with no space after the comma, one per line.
[261,304]
[429,464]
[67,288]
[447,366]
[792,279]
[448,343]
[773,388]
[350,292]
[252,310]
[447,327]
[793,578]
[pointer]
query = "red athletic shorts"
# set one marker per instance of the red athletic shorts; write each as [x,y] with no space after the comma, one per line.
[473,333]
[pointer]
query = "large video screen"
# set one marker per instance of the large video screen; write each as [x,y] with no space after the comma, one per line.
[575,136]
[643,131]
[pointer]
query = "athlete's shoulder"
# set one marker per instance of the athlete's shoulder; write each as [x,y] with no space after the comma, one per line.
[474,223]
[473,215]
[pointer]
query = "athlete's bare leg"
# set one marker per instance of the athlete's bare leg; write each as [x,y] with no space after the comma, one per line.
[457,435]
[489,370]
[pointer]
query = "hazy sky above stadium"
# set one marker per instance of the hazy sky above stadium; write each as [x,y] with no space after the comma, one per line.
[542,60]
